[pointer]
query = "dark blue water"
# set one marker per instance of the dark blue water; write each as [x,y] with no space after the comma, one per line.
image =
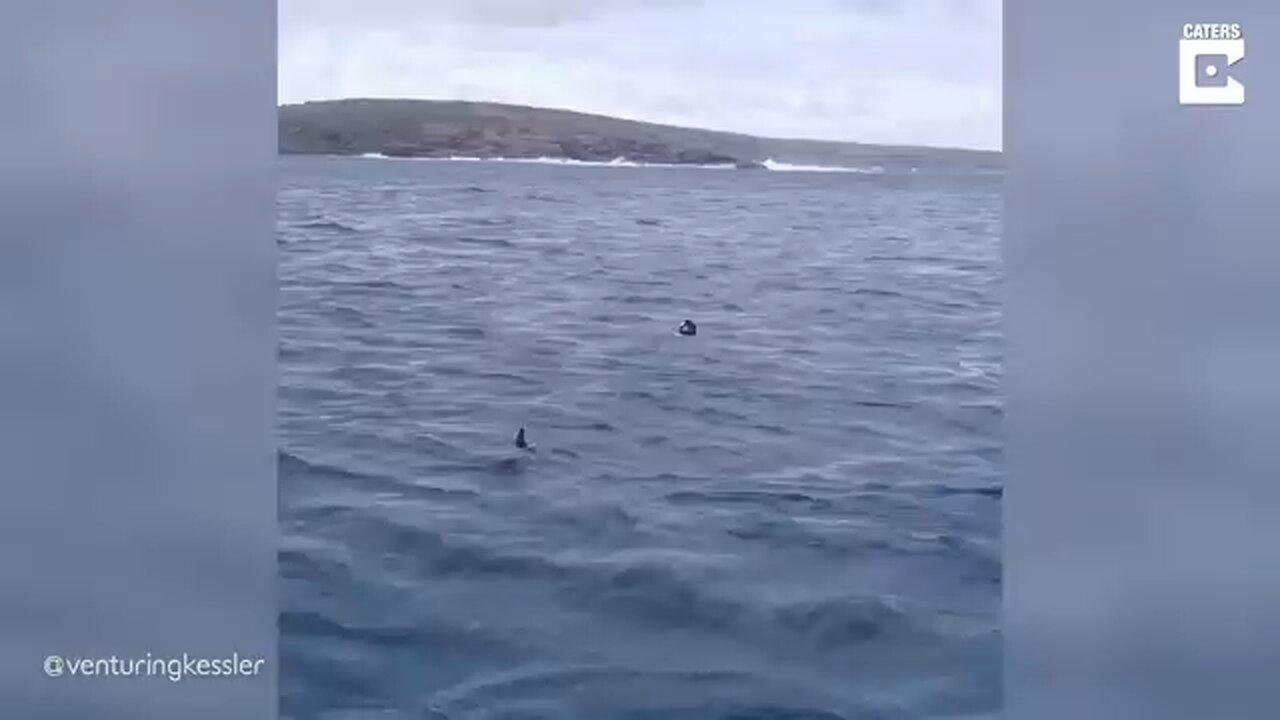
[794,514]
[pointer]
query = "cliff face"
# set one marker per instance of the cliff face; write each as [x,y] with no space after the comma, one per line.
[430,128]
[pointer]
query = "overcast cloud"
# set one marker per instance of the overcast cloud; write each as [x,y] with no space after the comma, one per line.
[921,72]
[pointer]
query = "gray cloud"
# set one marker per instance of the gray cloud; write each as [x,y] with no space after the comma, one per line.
[897,71]
[502,13]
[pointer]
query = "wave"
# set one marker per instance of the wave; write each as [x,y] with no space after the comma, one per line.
[546,160]
[293,471]
[769,164]
[630,692]
[776,166]
[326,224]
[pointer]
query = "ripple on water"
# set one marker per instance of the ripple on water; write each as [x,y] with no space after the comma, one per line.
[797,516]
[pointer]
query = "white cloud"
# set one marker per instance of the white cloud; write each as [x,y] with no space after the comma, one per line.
[908,71]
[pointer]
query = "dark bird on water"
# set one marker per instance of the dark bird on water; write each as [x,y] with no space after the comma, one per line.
[521,442]
[687,328]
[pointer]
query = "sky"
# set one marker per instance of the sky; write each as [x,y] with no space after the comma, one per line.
[917,72]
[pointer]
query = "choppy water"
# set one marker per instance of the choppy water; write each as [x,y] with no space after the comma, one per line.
[794,514]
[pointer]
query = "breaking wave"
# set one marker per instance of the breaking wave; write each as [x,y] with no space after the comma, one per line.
[768,164]
[776,166]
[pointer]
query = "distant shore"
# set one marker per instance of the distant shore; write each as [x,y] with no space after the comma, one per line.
[433,129]
[769,164]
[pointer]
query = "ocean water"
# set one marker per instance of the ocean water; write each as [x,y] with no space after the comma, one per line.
[794,514]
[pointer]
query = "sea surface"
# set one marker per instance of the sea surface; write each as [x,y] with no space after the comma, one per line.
[794,514]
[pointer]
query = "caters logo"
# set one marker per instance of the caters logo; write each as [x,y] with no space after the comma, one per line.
[1207,54]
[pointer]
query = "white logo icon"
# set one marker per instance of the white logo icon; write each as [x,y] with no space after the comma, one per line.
[1206,53]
